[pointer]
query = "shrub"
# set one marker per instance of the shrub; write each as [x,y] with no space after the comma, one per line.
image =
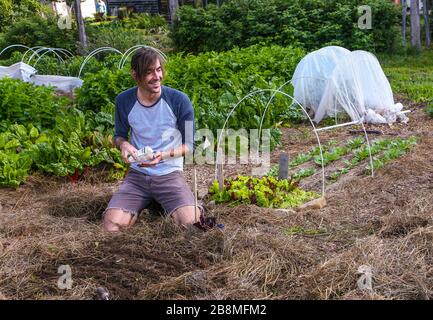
[123,34]
[11,10]
[310,24]
[39,31]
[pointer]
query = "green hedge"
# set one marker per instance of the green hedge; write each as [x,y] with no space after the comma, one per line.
[310,24]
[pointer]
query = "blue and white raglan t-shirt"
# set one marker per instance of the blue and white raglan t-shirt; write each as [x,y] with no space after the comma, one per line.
[165,125]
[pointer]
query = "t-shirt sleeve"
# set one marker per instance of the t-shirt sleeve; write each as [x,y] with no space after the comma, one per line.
[121,124]
[186,122]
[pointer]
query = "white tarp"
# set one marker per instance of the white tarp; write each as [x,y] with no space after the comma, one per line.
[27,73]
[333,79]
[19,70]
[65,84]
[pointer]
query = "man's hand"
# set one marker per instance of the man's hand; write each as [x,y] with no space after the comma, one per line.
[157,158]
[126,150]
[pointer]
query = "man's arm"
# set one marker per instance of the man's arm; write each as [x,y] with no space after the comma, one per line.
[121,127]
[181,151]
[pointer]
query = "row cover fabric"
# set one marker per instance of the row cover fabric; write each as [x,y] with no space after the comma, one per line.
[27,73]
[64,84]
[334,79]
[18,70]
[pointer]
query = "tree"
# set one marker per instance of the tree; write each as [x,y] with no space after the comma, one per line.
[415,32]
[81,28]
[173,5]
[426,22]
[80,24]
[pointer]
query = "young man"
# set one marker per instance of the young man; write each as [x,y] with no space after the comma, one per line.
[163,119]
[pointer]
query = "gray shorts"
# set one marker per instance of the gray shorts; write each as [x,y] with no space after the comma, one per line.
[138,190]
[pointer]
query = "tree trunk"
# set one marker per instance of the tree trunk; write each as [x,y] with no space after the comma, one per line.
[403,22]
[204,3]
[218,2]
[173,5]
[415,32]
[81,28]
[426,7]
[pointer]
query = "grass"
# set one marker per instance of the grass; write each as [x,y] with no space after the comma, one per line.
[410,75]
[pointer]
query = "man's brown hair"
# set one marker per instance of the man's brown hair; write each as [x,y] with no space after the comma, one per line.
[142,59]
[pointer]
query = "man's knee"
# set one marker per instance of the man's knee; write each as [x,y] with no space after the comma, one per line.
[186,215]
[115,219]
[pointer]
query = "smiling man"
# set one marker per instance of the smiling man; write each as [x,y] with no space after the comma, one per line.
[159,117]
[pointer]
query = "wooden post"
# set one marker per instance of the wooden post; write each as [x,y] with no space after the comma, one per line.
[195,194]
[220,173]
[283,171]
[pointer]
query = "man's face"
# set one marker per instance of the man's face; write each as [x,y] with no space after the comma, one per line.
[151,82]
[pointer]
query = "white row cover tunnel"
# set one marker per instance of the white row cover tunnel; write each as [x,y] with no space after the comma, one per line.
[27,73]
[334,79]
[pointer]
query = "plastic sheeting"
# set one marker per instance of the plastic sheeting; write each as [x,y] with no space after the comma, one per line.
[27,73]
[64,84]
[18,70]
[333,80]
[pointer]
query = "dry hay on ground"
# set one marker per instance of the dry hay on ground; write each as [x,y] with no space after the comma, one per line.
[83,200]
[400,269]
[383,222]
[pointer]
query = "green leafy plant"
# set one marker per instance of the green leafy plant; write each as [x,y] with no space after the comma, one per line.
[331,156]
[393,150]
[27,103]
[304,173]
[264,192]
[75,143]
